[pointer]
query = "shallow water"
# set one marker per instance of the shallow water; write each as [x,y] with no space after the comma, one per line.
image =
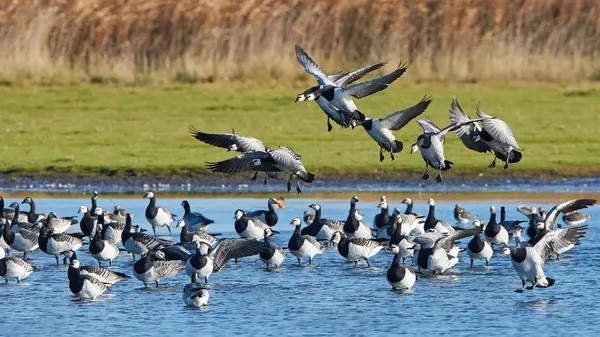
[330,297]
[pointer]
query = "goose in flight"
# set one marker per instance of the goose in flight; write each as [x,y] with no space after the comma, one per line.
[343,118]
[495,135]
[431,145]
[380,129]
[283,159]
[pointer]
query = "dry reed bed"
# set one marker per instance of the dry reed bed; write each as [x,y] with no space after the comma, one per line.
[206,39]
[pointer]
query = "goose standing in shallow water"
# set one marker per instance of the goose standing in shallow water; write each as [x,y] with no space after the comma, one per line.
[152,267]
[249,228]
[82,285]
[479,248]
[194,220]
[157,216]
[202,265]
[88,221]
[195,295]
[342,117]
[271,255]
[357,249]
[529,261]
[432,223]
[103,275]
[399,276]
[55,244]
[354,227]
[495,233]
[303,246]
[380,129]
[102,250]
[320,228]
[382,219]
[12,267]
[32,216]
[267,216]
[140,243]
[431,145]
[20,240]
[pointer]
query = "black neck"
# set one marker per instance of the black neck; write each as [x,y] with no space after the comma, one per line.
[186,207]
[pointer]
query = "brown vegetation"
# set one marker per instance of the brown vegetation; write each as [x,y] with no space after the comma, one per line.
[190,40]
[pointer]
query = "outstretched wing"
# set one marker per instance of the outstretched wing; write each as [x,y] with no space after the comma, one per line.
[399,119]
[247,161]
[312,67]
[448,242]
[228,249]
[498,129]
[223,140]
[287,160]
[347,78]
[428,126]
[466,133]
[559,239]
[566,207]
[364,89]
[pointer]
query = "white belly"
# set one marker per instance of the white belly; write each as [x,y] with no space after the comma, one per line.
[407,281]
[276,260]
[147,276]
[162,219]
[356,252]
[485,254]
[22,245]
[89,291]
[15,271]
[252,231]
[109,253]
[307,250]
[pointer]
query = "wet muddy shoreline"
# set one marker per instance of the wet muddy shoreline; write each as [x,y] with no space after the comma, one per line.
[212,184]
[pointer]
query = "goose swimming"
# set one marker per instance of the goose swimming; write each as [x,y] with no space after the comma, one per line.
[303,246]
[195,295]
[398,275]
[380,129]
[435,253]
[157,216]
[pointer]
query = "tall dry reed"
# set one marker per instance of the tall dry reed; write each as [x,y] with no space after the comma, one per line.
[128,40]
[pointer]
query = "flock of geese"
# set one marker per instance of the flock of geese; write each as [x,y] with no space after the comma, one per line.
[334,95]
[419,244]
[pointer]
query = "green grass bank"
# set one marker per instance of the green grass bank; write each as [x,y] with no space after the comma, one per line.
[132,131]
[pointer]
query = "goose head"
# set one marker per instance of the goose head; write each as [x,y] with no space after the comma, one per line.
[149,195]
[98,211]
[493,209]
[315,206]
[308,218]
[395,249]
[296,222]
[303,96]
[407,201]
[505,251]
[27,200]
[83,210]
[354,199]
[431,202]
[336,237]
[477,223]
[272,201]
[75,263]
[160,255]
[238,214]
[232,147]
[398,219]
[180,223]
[256,162]
[414,148]
[14,205]
[382,204]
